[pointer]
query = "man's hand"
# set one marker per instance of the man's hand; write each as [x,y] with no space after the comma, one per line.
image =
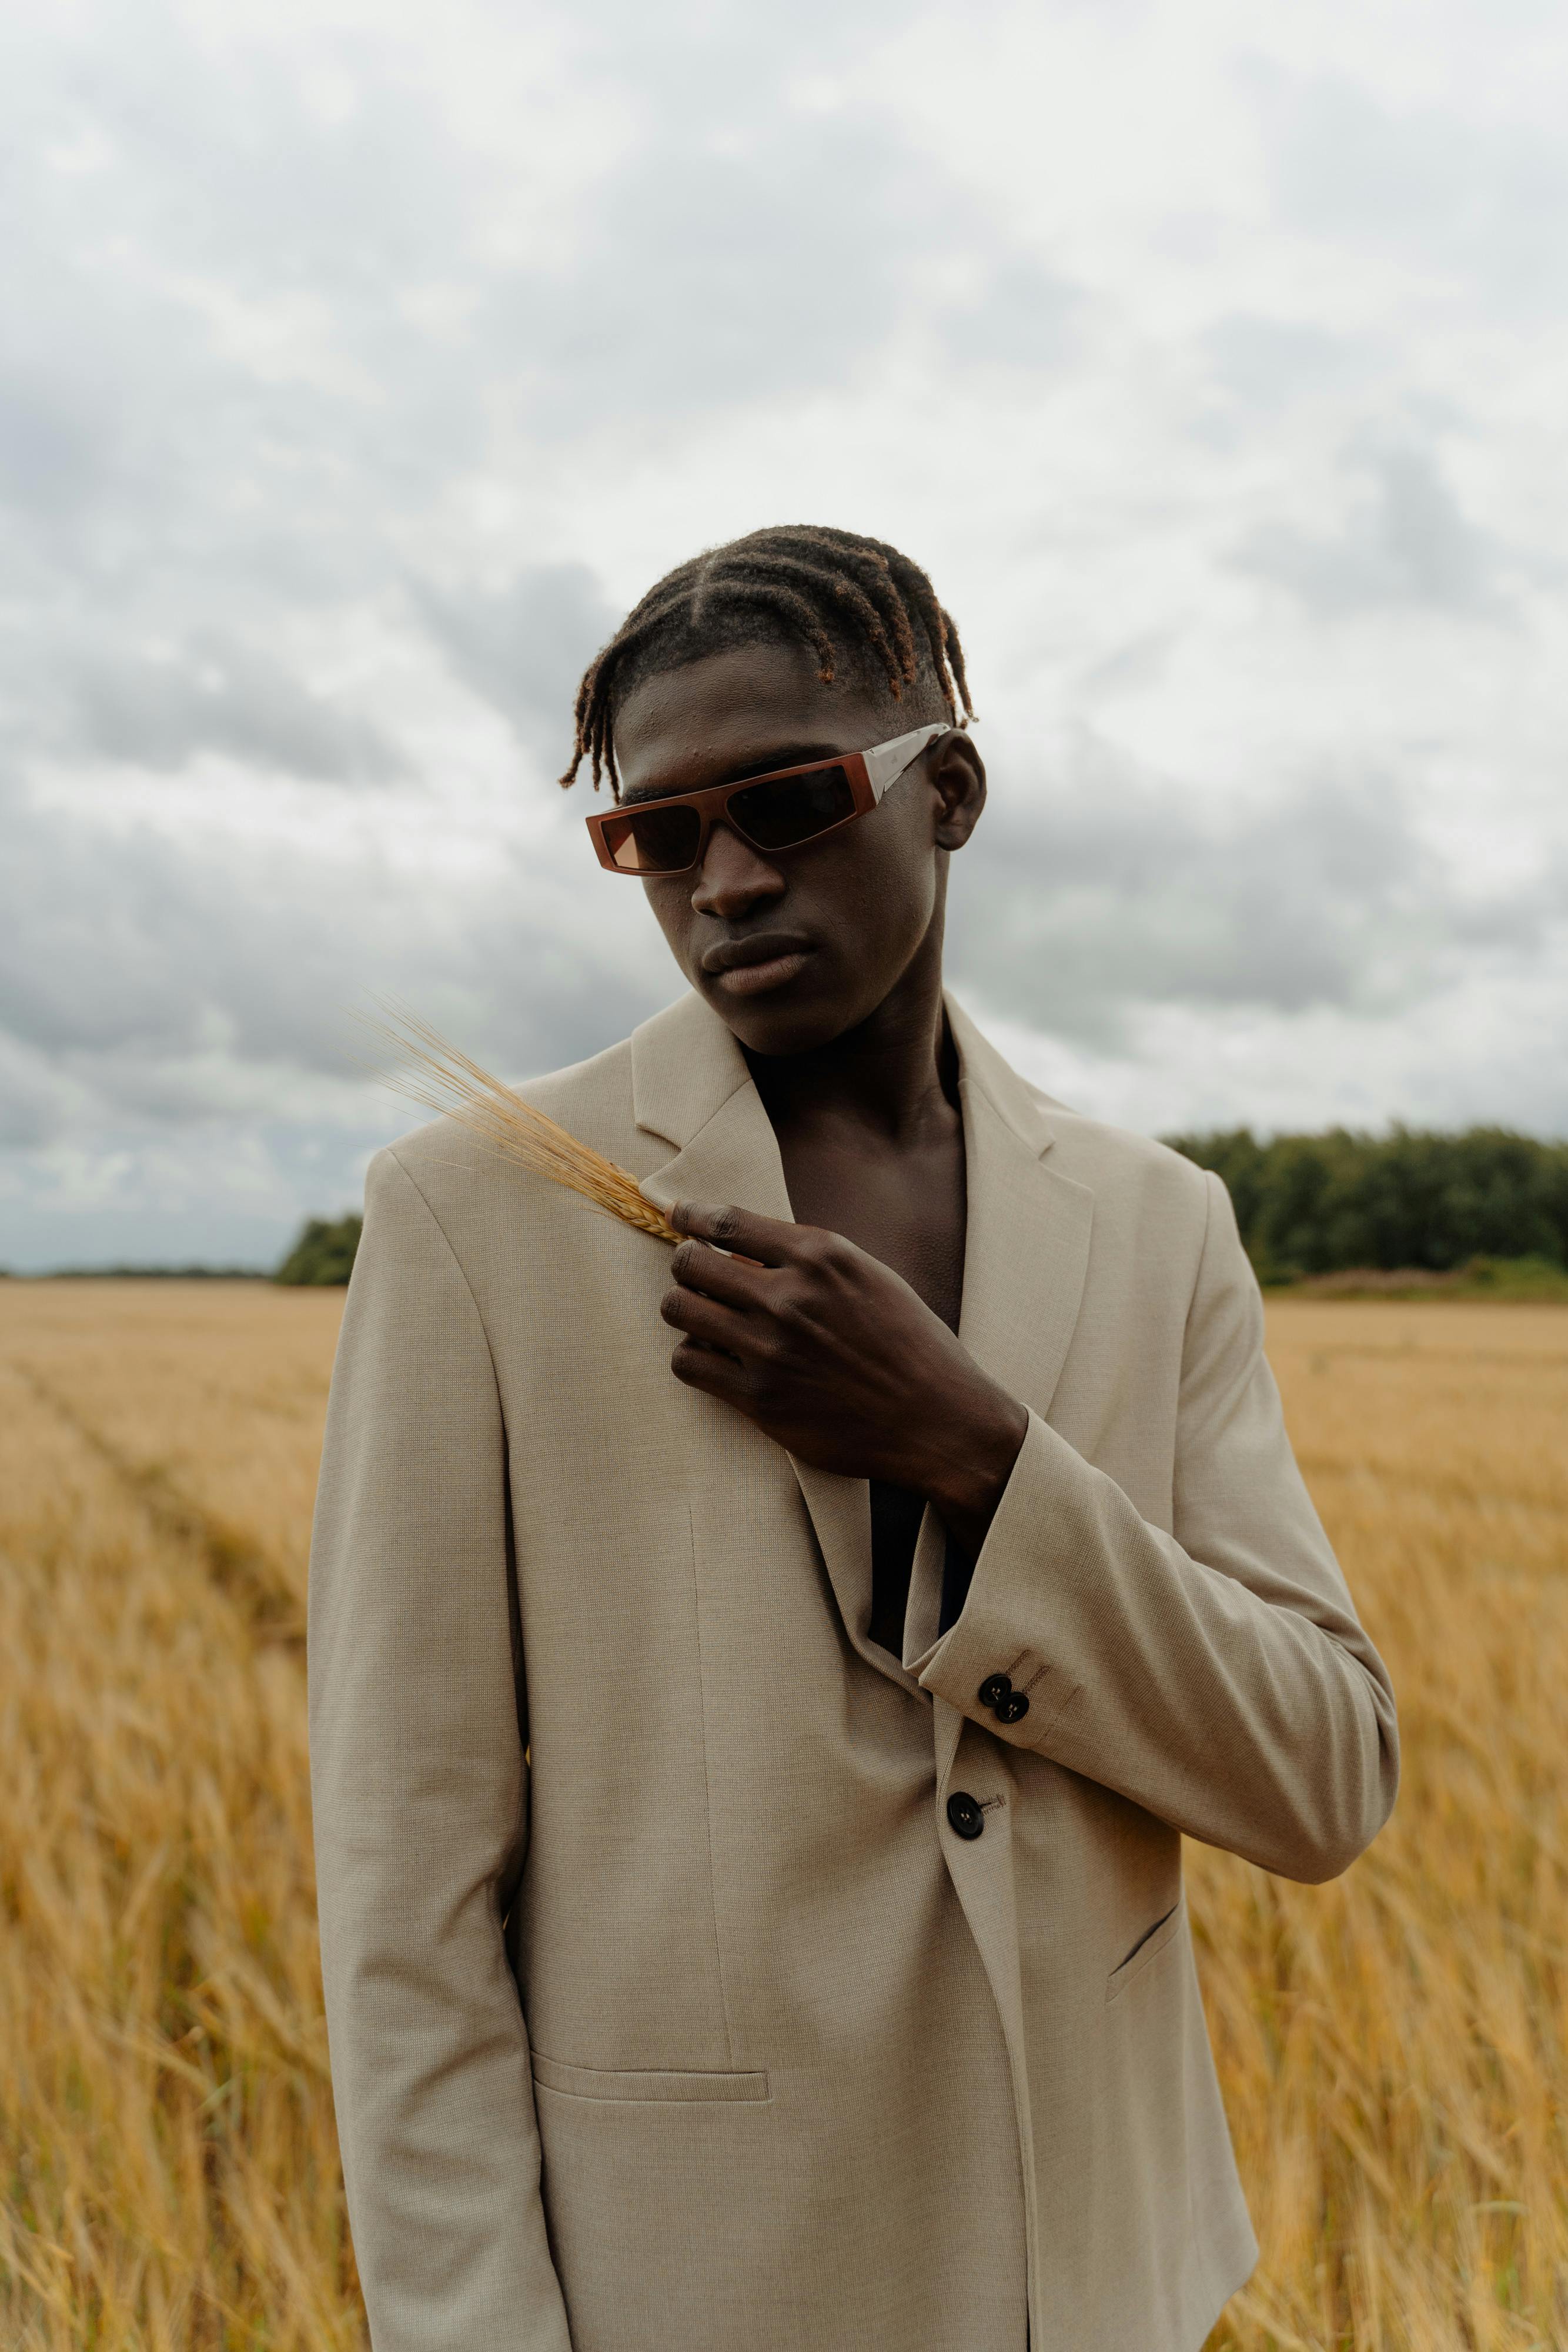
[834,1356]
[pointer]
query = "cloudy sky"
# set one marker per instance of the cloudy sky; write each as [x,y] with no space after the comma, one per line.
[360,364]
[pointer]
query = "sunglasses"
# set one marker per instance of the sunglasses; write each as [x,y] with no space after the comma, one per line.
[780,811]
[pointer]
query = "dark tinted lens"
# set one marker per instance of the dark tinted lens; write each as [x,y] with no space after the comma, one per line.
[777,816]
[654,840]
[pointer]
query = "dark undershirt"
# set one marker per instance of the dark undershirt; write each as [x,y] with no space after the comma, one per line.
[895,1515]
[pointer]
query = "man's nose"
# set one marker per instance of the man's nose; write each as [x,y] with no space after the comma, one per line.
[735,877]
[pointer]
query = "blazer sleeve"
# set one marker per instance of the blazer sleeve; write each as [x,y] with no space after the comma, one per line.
[1216,1676]
[419,1785]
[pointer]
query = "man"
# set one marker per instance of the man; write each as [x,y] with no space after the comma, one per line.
[750,1783]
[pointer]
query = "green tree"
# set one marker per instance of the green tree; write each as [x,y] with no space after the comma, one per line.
[1320,1203]
[324,1252]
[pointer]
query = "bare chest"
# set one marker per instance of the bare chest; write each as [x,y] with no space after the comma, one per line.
[905,1207]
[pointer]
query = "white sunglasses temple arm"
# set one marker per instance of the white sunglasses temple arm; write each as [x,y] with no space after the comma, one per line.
[886,763]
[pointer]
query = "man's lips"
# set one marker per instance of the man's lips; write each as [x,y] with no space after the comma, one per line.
[747,967]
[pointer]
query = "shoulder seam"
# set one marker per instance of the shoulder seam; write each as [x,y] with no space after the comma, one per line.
[1209,1181]
[411,1180]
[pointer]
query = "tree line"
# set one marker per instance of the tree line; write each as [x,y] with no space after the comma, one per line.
[1318,1204]
[1306,1204]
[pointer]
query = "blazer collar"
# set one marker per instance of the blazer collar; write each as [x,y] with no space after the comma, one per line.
[684,1065]
[690,1084]
[1027,1245]
[1025,1251]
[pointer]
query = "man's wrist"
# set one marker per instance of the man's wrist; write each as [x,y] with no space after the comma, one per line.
[970,1463]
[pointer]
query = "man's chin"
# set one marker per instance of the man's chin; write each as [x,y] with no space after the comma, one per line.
[795,1017]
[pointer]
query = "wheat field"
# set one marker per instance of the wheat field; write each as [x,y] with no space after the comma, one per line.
[1392,2047]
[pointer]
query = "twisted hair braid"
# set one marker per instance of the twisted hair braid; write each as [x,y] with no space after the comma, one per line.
[836,592]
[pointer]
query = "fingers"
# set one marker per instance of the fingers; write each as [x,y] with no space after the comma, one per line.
[708,1320]
[740,1282]
[699,1367]
[771,1241]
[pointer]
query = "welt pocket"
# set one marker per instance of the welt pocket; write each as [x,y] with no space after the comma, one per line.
[642,2083]
[1158,1939]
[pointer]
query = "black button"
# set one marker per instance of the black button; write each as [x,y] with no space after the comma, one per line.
[1013,1709]
[993,1690]
[965,1815]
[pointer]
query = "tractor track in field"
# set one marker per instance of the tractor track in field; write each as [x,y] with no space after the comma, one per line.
[236,1565]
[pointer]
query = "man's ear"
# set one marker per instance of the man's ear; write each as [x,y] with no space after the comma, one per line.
[959,779]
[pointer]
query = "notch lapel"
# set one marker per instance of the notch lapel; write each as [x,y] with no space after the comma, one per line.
[1027,1249]
[1025,1257]
[691,1085]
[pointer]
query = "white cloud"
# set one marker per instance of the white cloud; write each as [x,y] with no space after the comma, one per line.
[360,364]
[1403,540]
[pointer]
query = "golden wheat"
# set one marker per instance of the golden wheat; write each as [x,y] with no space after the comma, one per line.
[1392,2047]
[428,1069]
[171,2165]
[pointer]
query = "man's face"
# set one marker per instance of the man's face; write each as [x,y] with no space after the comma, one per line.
[826,931]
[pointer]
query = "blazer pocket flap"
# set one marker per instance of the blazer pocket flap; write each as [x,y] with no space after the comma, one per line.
[643,2083]
[1161,1935]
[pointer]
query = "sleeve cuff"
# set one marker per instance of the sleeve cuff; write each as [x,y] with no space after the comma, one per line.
[1011,1587]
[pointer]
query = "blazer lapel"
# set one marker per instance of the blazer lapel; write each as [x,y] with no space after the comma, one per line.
[1027,1251]
[1025,1259]
[691,1085]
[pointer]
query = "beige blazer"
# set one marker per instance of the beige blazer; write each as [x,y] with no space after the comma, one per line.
[708,2031]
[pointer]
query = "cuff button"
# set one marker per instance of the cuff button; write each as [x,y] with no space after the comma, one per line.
[1013,1709]
[994,1690]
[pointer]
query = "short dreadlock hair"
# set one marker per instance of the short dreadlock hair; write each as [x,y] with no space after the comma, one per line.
[834,592]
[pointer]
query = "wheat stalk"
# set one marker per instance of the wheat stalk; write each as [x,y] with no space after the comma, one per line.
[429,1070]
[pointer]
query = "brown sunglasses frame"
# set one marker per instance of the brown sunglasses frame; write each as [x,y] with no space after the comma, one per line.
[711,803]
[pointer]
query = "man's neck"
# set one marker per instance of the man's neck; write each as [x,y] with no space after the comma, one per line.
[894,1076]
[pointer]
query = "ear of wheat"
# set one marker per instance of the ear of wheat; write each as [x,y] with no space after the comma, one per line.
[428,1069]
